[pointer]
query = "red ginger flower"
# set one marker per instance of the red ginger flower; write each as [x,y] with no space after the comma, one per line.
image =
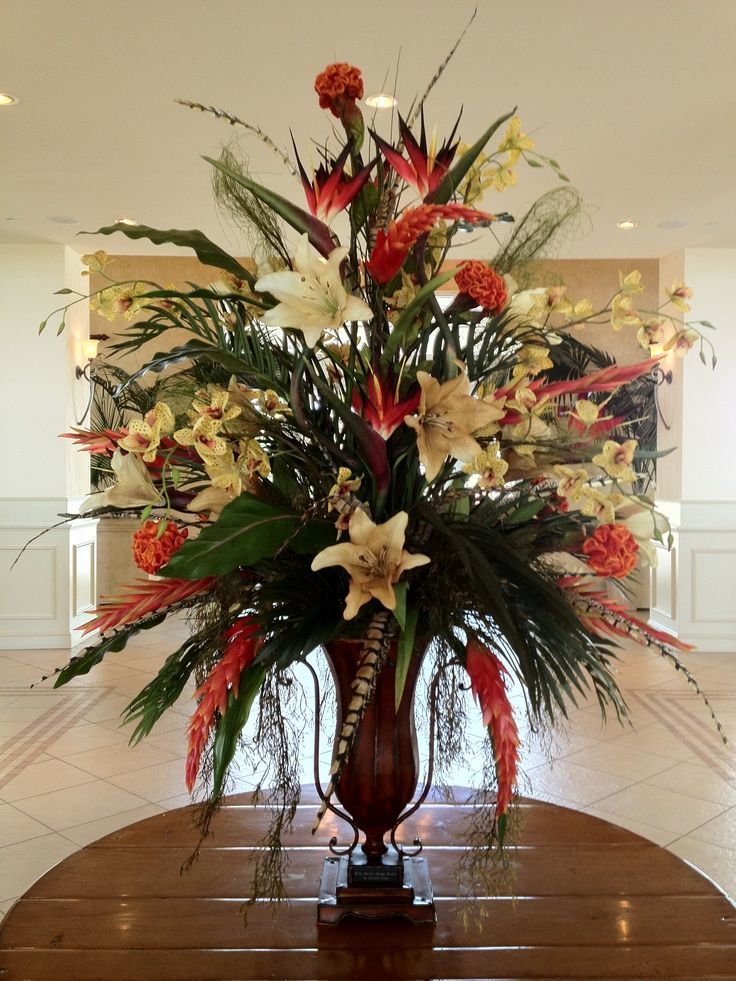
[612,551]
[338,85]
[486,679]
[143,598]
[151,550]
[482,284]
[242,645]
[393,245]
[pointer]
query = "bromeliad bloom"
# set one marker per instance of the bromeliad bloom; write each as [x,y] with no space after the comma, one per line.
[379,406]
[448,415]
[329,191]
[426,167]
[393,245]
[483,285]
[374,558]
[312,298]
[487,682]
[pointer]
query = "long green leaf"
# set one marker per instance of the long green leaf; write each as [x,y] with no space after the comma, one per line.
[205,250]
[92,656]
[232,722]
[319,234]
[400,329]
[405,650]
[249,529]
[453,178]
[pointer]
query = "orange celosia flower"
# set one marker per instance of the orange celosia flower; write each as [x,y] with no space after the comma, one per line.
[392,246]
[611,551]
[242,643]
[482,284]
[338,84]
[486,679]
[151,550]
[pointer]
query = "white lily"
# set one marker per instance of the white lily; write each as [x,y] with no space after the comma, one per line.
[644,523]
[312,297]
[133,486]
[374,559]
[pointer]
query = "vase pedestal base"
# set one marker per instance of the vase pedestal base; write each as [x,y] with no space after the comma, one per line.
[375,892]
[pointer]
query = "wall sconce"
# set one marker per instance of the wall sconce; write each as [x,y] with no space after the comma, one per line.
[659,377]
[88,348]
[89,351]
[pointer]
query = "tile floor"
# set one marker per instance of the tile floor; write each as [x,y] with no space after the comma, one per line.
[68,776]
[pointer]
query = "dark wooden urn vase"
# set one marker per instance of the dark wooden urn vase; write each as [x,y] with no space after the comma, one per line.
[376,879]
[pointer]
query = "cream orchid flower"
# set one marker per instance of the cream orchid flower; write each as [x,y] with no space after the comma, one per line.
[631,282]
[144,435]
[312,297]
[216,409]
[616,459]
[572,481]
[448,415]
[133,486]
[203,437]
[490,467]
[595,504]
[374,558]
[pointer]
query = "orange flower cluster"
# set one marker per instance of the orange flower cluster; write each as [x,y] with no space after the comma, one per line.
[242,643]
[482,284]
[338,84]
[612,551]
[151,550]
[486,679]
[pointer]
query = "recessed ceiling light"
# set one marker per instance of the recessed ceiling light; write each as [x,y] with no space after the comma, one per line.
[126,221]
[7,100]
[11,219]
[63,219]
[626,224]
[382,100]
[672,223]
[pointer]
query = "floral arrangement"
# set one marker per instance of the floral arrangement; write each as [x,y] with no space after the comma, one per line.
[370,436]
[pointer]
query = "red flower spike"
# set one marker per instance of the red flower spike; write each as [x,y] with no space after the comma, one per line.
[393,245]
[487,682]
[330,191]
[104,443]
[424,169]
[379,406]
[144,597]
[242,643]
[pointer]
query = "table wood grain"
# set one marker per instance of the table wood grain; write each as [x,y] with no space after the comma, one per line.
[587,900]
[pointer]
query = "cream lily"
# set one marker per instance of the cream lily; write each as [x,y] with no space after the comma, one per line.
[448,415]
[133,486]
[312,297]
[374,558]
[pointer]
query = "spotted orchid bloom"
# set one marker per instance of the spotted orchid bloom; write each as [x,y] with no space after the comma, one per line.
[616,459]
[144,435]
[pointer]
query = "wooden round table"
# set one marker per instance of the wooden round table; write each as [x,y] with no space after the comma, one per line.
[591,901]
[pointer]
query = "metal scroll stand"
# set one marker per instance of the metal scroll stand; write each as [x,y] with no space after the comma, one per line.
[400,886]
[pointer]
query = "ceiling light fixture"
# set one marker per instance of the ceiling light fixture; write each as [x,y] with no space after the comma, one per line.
[626,224]
[382,100]
[126,221]
[8,100]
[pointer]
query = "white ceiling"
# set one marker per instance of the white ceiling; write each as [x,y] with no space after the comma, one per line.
[635,98]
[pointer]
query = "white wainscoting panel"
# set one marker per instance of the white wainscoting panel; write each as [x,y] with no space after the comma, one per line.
[49,593]
[694,587]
